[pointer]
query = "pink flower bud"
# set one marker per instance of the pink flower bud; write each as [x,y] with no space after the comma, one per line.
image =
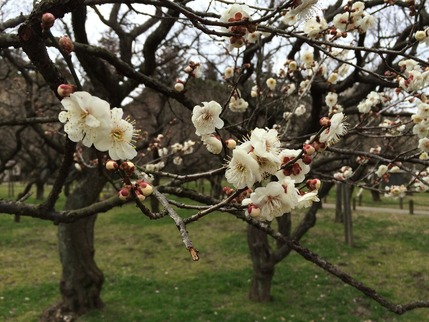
[64,90]
[325,121]
[47,21]
[111,165]
[124,193]
[313,184]
[128,167]
[66,44]
[253,210]
[309,149]
[140,196]
[146,188]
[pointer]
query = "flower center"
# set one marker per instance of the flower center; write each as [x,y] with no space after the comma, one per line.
[118,134]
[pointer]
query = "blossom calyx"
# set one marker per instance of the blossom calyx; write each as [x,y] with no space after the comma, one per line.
[128,167]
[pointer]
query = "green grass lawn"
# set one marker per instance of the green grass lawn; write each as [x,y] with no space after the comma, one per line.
[151,277]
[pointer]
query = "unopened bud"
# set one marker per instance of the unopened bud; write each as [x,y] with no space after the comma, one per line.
[140,196]
[111,165]
[313,184]
[325,121]
[128,167]
[253,211]
[64,90]
[231,144]
[66,44]
[145,188]
[420,35]
[47,21]
[179,87]
[293,66]
[309,149]
[124,193]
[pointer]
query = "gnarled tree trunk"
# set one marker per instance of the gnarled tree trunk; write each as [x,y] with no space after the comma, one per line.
[263,267]
[82,280]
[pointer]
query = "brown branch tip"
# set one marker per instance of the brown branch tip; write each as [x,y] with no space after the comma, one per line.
[194,253]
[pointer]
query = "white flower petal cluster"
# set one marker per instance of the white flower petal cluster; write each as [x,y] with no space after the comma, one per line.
[337,128]
[304,10]
[238,105]
[395,192]
[259,154]
[421,127]
[295,171]
[206,118]
[314,26]
[416,78]
[89,119]
[212,143]
[245,33]
[356,19]
[371,100]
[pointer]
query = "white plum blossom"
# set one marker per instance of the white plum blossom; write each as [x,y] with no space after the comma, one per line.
[271,83]
[331,99]
[337,128]
[382,169]
[242,170]
[424,145]
[117,137]
[395,191]
[296,171]
[270,200]
[300,110]
[237,105]
[84,115]
[306,200]
[206,118]
[314,26]
[212,143]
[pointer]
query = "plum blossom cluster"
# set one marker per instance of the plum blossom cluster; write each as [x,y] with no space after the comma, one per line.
[353,18]
[140,188]
[206,120]
[89,119]
[372,100]
[245,31]
[421,126]
[261,156]
[395,191]
[413,77]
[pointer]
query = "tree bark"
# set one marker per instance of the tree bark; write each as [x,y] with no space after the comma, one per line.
[263,267]
[82,280]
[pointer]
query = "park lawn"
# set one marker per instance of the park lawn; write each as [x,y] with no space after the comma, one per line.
[151,277]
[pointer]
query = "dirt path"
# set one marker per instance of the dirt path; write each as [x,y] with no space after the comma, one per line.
[381,209]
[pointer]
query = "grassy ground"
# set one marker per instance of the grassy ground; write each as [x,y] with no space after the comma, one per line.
[150,276]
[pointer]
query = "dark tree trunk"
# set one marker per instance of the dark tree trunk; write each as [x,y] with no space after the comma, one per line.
[81,280]
[40,190]
[375,196]
[263,267]
[339,203]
